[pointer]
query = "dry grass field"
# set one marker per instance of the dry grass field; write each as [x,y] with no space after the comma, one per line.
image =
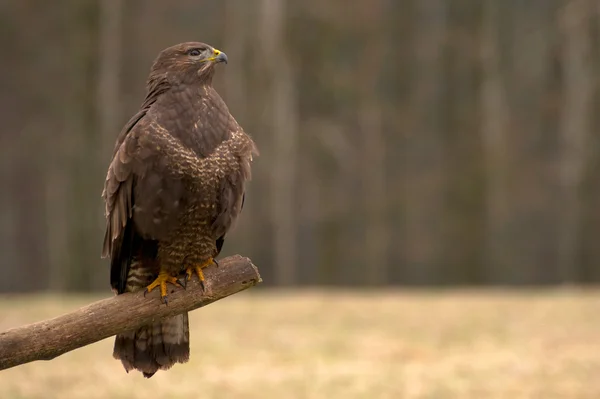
[340,344]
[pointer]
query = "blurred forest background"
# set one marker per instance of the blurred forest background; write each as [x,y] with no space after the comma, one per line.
[413,142]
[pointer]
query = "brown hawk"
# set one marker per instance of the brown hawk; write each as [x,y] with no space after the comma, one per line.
[173,190]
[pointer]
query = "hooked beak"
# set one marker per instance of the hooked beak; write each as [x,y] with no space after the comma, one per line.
[218,56]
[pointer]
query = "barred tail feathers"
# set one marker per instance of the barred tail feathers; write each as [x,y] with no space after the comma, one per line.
[156,346]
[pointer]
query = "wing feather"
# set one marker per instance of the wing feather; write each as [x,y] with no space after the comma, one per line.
[119,202]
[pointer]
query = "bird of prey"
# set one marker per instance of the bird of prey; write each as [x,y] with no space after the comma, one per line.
[173,190]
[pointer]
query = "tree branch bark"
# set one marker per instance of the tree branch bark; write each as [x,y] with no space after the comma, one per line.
[48,339]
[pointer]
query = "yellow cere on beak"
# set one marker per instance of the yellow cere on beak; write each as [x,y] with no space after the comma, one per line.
[218,56]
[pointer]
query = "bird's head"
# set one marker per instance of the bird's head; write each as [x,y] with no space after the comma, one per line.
[187,63]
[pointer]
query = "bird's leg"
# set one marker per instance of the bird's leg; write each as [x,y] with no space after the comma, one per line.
[198,269]
[161,281]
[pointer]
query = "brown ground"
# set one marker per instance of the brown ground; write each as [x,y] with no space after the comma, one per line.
[408,344]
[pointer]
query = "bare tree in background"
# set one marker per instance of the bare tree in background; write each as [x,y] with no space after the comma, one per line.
[82,146]
[236,38]
[283,125]
[56,189]
[235,42]
[495,125]
[424,148]
[7,215]
[109,56]
[108,98]
[575,130]
[373,148]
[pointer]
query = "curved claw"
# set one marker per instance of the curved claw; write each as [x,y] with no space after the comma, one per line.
[161,282]
[182,281]
[198,269]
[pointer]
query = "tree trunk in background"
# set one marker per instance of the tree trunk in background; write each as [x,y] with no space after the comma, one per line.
[56,201]
[74,117]
[495,125]
[575,131]
[29,240]
[526,38]
[236,38]
[376,228]
[284,123]
[424,148]
[8,202]
[461,184]
[373,149]
[109,55]
[83,154]
[8,217]
[108,102]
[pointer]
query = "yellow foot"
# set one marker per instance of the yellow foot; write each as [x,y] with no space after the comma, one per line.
[198,269]
[161,281]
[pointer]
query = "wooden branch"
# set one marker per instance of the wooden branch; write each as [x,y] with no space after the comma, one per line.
[48,339]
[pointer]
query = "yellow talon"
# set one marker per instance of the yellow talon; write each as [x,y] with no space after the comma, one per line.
[198,269]
[161,281]
[190,270]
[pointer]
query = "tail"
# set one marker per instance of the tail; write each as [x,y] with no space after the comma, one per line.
[156,346]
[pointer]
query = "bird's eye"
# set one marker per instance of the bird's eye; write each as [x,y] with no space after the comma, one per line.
[195,52]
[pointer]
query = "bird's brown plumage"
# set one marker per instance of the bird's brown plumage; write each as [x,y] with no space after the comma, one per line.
[174,188]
